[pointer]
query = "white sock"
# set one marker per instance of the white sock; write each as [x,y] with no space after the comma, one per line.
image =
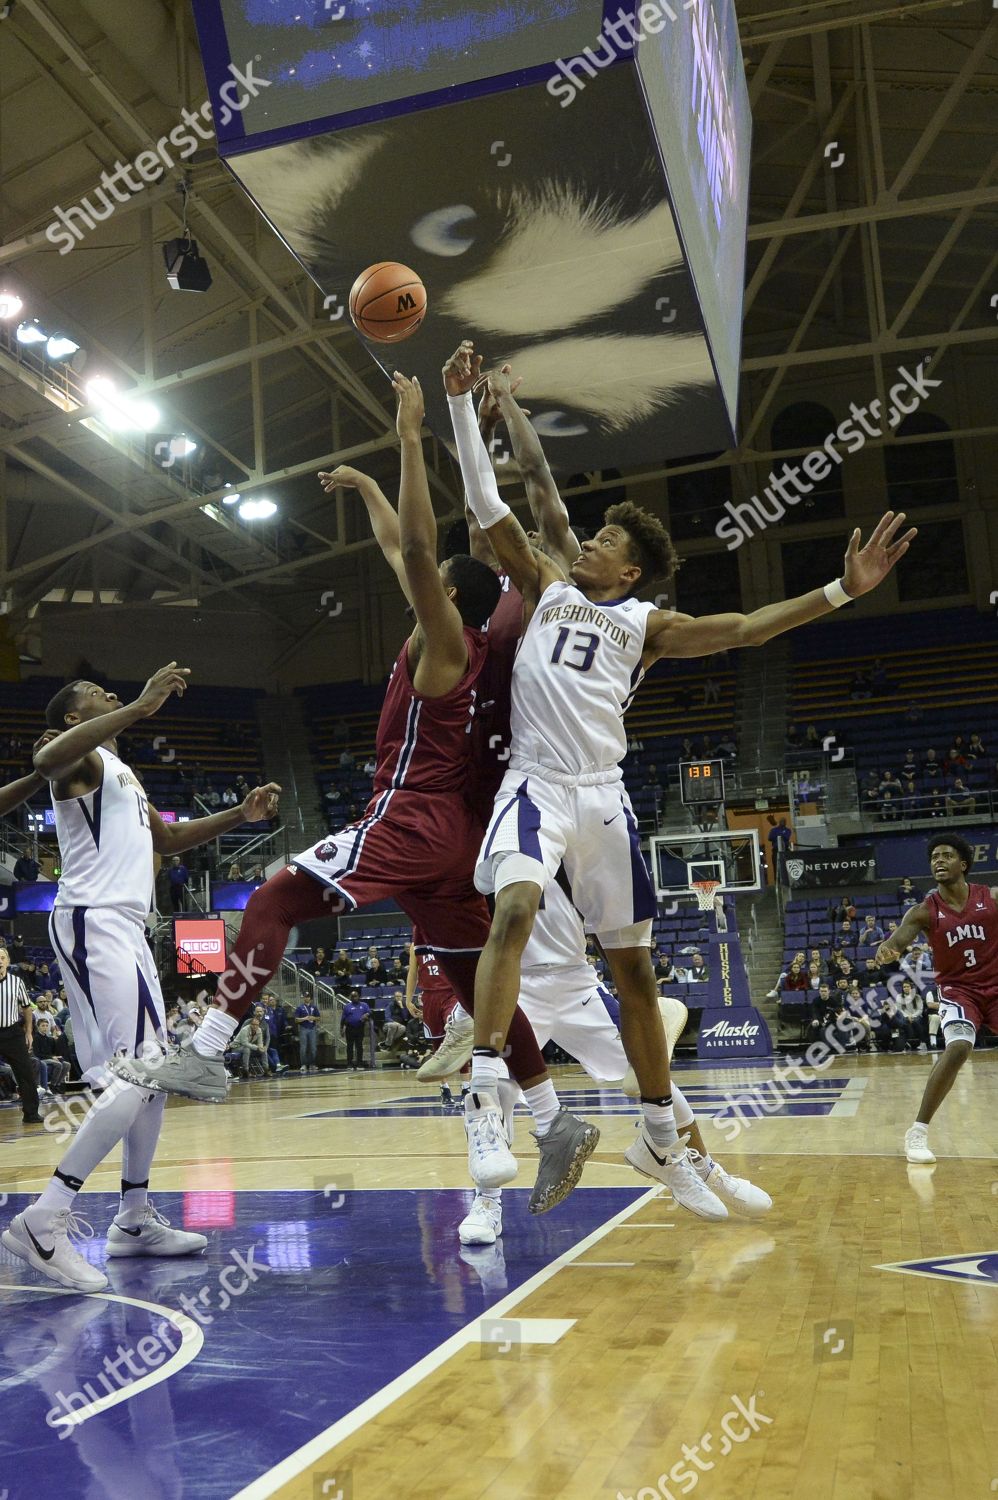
[542,1101]
[138,1150]
[109,1118]
[215,1033]
[660,1123]
[460,1014]
[485,1073]
[684,1114]
[489,1195]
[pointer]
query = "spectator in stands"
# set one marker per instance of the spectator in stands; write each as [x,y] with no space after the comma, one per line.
[932,1019]
[706,746]
[814,957]
[814,976]
[235,871]
[726,745]
[960,800]
[711,691]
[912,1008]
[889,783]
[935,808]
[52,1070]
[319,963]
[799,959]
[355,1014]
[395,1009]
[955,761]
[793,739]
[370,766]
[931,766]
[375,971]
[229,798]
[822,1009]
[258,875]
[397,972]
[871,931]
[253,1041]
[847,934]
[177,875]
[871,973]
[860,685]
[242,788]
[839,1027]
[908,894]
[697,973]
[347,760]
[275,1018]
[371,957]
[812,739]
[665,969]
[879,680]
[844,909]
[213,798]
[975,750]
[913,714]
[909,766]
[891,1034]
[343,966]
[26,869]
[781,839]
[307,1023]
[890,808]
[908,800]
[686,750]
[652,779]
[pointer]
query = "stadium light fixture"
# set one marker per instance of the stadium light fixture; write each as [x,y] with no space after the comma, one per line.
[257,510]
[10,305]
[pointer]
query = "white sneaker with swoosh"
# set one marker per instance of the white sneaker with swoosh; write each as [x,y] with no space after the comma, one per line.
[48,1249]
[154,1236]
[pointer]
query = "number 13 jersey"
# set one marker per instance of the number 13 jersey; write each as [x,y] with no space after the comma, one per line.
[105,843]
[577,669]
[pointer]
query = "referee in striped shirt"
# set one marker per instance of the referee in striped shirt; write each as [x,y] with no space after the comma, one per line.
[16,1020]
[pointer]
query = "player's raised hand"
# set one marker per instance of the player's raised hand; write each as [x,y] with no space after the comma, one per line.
[887,954]
[490,410]
[868,566]
[409,421]
[462,370]
[260,803]
[342,477]
[44,739]
[169,679]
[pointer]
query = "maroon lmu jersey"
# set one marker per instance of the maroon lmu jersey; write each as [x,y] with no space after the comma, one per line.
[491,732]
[965,943]
[424,744]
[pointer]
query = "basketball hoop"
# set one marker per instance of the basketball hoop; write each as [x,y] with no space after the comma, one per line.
[705,891]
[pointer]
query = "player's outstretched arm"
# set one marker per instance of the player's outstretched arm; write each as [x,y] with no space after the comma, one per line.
[443,658]
[865,568]
[916,919]
[546,505]
[384,520]
[530,571]
[174,838]
[479,546]
[61,756]
[16,793]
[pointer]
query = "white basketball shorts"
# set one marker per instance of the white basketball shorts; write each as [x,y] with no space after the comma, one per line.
[572,1009]
[537,825]
[111,984]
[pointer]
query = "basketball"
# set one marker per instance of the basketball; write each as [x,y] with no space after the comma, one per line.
[387,302]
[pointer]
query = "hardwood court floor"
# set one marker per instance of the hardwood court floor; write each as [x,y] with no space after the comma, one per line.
[638,1328]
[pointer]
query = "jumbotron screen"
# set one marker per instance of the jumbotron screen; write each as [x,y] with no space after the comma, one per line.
[325,59]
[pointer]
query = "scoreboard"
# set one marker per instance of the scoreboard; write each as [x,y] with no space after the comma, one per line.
[701,781]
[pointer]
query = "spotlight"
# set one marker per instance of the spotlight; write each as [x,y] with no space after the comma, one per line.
[118,410]
[182,447]
[186,269]
[232,499]
[257,510]
[10,305]
[30,333]
[60,347]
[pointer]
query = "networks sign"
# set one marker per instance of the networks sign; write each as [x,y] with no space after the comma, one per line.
[805,868]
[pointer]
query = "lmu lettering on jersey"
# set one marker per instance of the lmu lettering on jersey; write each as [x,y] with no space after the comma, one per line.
[583,614]
[965,932]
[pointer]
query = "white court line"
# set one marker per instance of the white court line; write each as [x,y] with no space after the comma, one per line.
[585,1265]
[296,1463]
[190,1346]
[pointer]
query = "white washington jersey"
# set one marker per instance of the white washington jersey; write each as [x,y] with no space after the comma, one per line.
[577,669]
[105,843]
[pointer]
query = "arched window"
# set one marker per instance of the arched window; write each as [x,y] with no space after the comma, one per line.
[804,427]
[921,473]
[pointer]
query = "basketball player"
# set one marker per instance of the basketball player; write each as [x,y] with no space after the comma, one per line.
[448,1026]
[586,648]
[419,839]
[961,923]
[108,832]
[564,1001]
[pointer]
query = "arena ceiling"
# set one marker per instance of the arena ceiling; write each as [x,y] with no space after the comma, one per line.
[889,251]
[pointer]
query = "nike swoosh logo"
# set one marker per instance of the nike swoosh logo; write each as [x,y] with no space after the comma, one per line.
[607,821]
[662,1160]
[45,1254]
[587,999]
[133,1232]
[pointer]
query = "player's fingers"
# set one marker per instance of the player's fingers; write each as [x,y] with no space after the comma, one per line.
[853,546]
[881,526]
[893,529]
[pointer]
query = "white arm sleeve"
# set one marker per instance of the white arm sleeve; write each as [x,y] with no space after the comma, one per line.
[476,469]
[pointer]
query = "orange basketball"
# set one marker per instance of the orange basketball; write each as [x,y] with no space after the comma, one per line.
[387,302]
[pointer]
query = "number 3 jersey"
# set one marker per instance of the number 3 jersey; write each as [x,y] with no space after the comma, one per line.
[965,943]
[105,843]
[577,669]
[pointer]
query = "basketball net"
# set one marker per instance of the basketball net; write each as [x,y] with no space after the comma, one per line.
[705,891]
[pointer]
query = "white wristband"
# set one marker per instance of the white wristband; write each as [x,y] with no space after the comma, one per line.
[476,469]
[836,594]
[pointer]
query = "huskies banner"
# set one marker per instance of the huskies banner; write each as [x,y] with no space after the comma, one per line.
[803,868]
